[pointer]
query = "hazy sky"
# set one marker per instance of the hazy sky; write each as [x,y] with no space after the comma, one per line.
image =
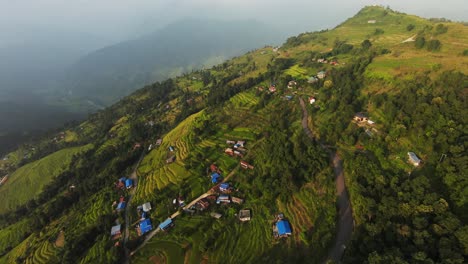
[109,21]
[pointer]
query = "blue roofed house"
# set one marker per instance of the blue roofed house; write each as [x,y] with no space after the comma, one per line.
[121,206]
[166,224]
[215,177]
[224,187]
[128,183]
[284,229]
[145,226]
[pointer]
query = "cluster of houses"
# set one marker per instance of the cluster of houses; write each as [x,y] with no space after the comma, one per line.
[124,183]
[144,225]
[320,75]
[281,227]
[59,137]
[237,148]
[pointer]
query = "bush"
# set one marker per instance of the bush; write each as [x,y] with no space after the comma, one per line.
[440,29]
[410,27]
[366,44]
[433,45]
[378,31]
[420,42]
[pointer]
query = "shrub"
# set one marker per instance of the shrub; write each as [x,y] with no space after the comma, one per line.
[433,45]
[410,27]
[440,29]
[378,31]
[420,42]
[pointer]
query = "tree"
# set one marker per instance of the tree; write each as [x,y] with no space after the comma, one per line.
[433,45]
[420,42]
[410,27]
[366,44]
[328,84]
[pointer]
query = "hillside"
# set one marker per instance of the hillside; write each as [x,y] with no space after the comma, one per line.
[108,74]
[316,133]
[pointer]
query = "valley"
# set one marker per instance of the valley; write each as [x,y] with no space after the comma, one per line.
[291,154]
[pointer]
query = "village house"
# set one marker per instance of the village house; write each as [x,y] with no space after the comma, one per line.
[128,183]
[214,168]
[360,117]
[171,159]
[224,187]
[291,84]
[168,223]
[171,148]
[283,228]
[146,207]
[158,142]
[137,145]
[145,226]
[223,198]
[288,97]
[272,89]
[321,74]
[372,21]
[312,79]
[215,177]
[239,144]
[216,215]
[121,206]
[238,153]
[320,60]
[116,232]
[244,215]
[229,151]
[414,159]
[236,200]
[246,165]
[202,205]
[230,142]
[311,100]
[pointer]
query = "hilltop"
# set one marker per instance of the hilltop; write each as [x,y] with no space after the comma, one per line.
[345,144]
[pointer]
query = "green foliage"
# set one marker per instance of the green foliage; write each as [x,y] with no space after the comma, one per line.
[366,44]
[410,27]
[440,29]
[419,42]
[378,31]
[28,181]
[433,45]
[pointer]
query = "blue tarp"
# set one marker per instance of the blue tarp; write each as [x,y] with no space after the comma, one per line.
[145,226]
[283,227]
[215,177]
[165,224]
[128,183]
[121,206]
[123,179]
[224,186]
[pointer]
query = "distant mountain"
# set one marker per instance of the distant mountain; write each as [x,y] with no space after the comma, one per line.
[110,73]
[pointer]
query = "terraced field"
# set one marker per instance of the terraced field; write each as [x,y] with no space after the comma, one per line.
[44,254]
[18,251]
[13,234]
[154,173]
[27,182]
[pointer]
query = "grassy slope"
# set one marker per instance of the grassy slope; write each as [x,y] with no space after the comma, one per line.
[27,182]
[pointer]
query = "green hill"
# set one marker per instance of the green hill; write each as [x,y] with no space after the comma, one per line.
[28,181]
[392,84]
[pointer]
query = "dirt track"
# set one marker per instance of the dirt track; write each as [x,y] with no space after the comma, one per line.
[345,214]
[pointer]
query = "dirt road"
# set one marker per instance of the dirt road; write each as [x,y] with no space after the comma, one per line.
[174,215]
[345,214]
[134,177]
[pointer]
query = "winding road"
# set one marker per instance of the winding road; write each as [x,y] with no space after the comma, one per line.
[134,177]
[345,214]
